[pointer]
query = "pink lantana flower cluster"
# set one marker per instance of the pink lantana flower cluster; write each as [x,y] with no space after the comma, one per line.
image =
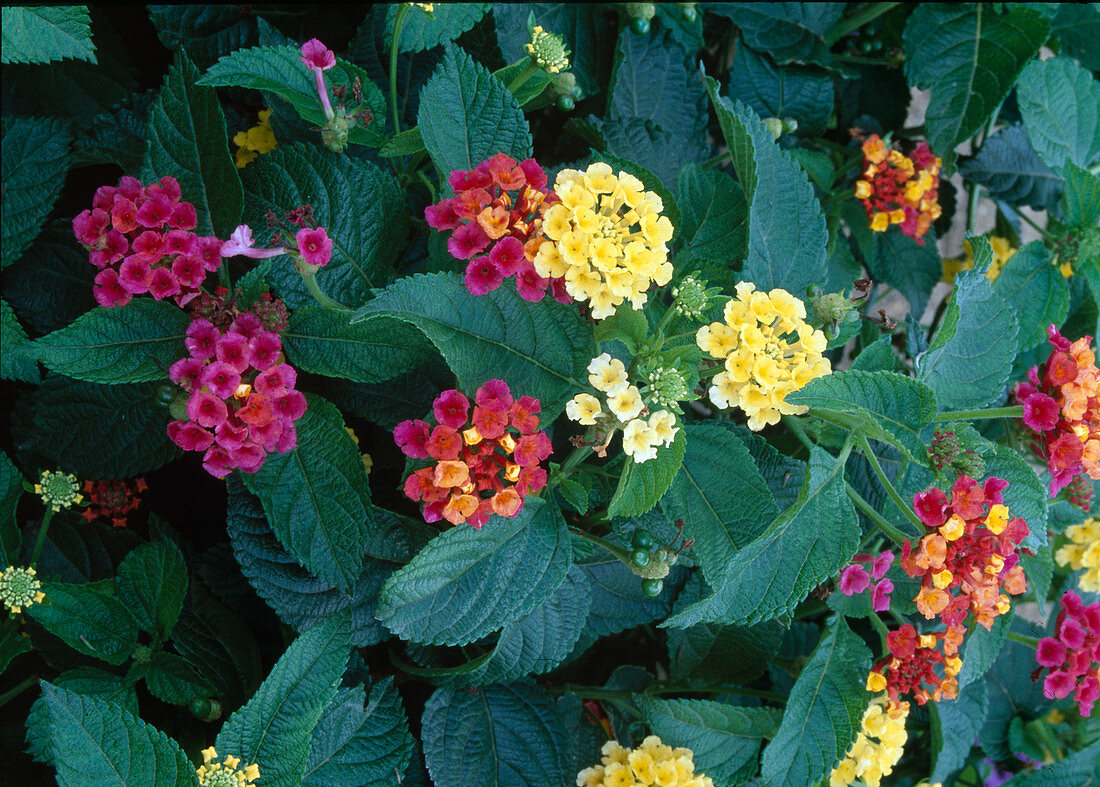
[242,402]
[141,238]
[855,579]
[1073,654]
[484,462]
[496,215]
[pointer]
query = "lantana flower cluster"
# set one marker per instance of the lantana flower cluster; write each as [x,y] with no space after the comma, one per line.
[1073,653]
[242,403]
[497,217]
[970,556]
[652,763]
[1083,552]
[899,189]
[113,499]
[877,748]
[1060,404]
[606,237]
[225,773]
[641,436]
[141,238]
[486,458]
[910,667]
[58,490]
[769,351]
[856,579]
[20,588]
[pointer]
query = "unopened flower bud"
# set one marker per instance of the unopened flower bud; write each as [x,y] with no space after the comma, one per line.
[334,135]
[548,51]
[945,449]
[969,463]
[774,127]
[667,387]
[790,125]
[691,297]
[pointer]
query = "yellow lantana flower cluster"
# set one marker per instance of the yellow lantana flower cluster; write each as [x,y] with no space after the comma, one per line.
[870,759]
[258,139]
[1002,253]
[641,437]
[1083,551]
[769,351]
[225,773]
[606,237]
[651,763]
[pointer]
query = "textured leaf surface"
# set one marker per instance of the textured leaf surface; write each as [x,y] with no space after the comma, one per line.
[1080,768]
[279,70]
[805,94]
[787,237]
[467,583]
[642,484]
[51,284]
[1036,291]
[885,405]
[94,742]
[540,349]
[446,22]
[135,343]
[361,208]
[360,742]
[1081,200]
[970,57]
[579,25]
[809,542]
[724,738]
[88,620]
[321,341]
[499,736]
[173,679]
[899,260]
[722,496]
[11,489]
[955,725]
[316,496]
[17,355]
[467,115]
[152,582]
[713,214]
[34,157]
[46,33]
[965,369]
[787,31]
[187,140]
[275,728]
[618,602]
[1060,104]
[1008,166]
[823,711]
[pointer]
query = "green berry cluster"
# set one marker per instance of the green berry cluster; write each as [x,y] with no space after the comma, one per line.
[651,561]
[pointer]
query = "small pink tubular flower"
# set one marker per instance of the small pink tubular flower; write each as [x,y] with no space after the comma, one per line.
[315,246]
[853,580]
[1041,412]
[318,58]
[241,244]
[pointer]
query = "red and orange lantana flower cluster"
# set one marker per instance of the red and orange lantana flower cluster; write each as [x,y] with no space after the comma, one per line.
[485,462]
[899,189]
[141,238]
[113,499]
[910,667]
[496,214]
[1060,405]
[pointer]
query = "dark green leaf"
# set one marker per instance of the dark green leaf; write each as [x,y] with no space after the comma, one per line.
[955,725]
[187,140]
[422,31]
[1081,199]
[11,489]
[911,268]
[99,743]
[618,602]
[784,475]
[17,353]
[47,33]
[790,32]
[14,644]
[360,742]
[804,94]
[878,356]
[467,115]
[805,545]
[173,679]
[1077,27]
[714,216]
[642,484]
[503,735]
[787,236]
[89,621]
[275,728]
[316,496]
[361,208]
[823,711]
[34,158]
[540,349]
[51,284]
[135,343]
[1011,170]
[205,32]
[279,70]
[1080,768]
[981,649]
[1060,104]
[152,582]
[467,583]
[970,56]
[1036,291]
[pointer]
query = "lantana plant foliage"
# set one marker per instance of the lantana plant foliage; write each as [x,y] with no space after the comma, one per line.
[550,394]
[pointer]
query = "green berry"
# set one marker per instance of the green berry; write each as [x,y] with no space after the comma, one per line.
[166,393]
[690,14]
[205,709]
[566,103]
[640,558]
[661,555]
[652,587]
[866,47]
[641,27]
[642,539]
[814,291]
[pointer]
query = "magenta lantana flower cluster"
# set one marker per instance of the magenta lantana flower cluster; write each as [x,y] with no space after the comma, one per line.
[1073,654]
[141,238]
[856,579]
[242,402]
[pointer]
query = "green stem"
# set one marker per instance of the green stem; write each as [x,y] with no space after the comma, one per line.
[223,276]
[856,21]
[1035,226]
[580,453]
[899,501]
[41,540]
[1016,411]
[320,297]
[398,22]
[972,206]
[16,690]
[798,431]
[529,71]
[877,519]
[1023,639]
[880,627]
[619,553]
[721,158]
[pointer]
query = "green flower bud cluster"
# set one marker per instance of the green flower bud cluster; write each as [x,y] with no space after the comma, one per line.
[548,51]
[651,561]
[19,589]
[828,311]
[948,451]
[667,388]
[334,135]
[691,296]
[58,490]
